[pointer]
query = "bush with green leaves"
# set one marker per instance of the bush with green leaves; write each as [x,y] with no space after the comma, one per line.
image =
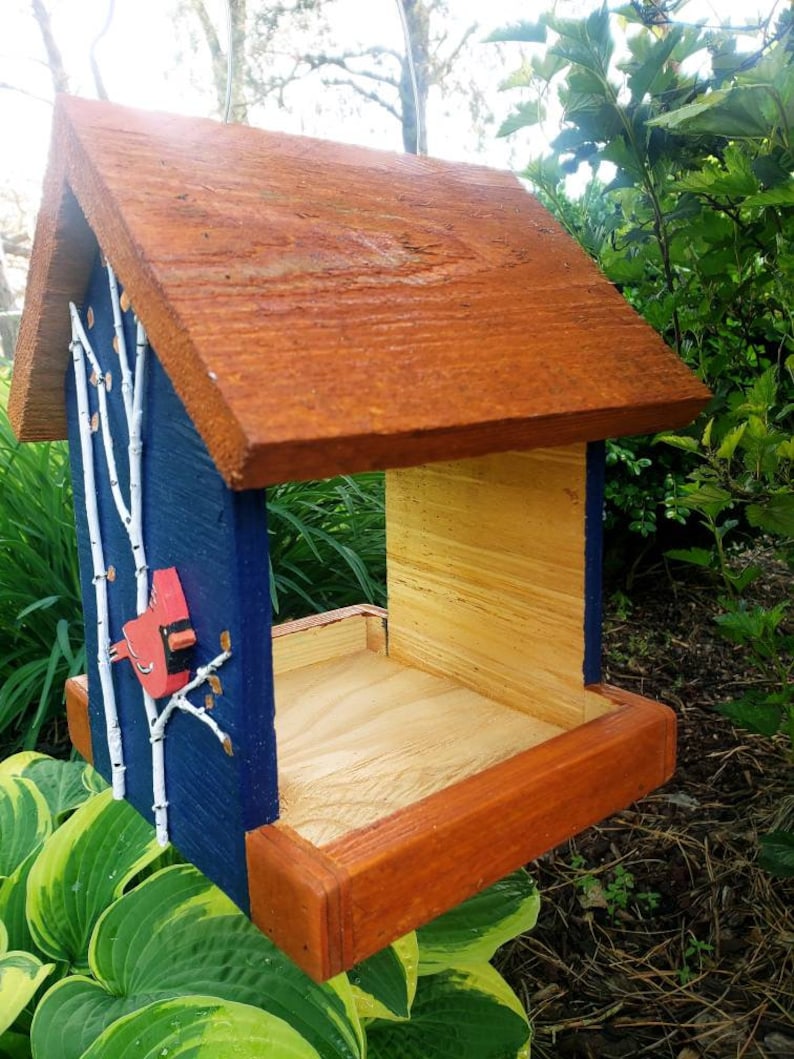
[696,227]
[742,477]
[108,947]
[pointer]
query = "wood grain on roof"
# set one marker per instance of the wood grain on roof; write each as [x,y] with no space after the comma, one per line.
[322,308]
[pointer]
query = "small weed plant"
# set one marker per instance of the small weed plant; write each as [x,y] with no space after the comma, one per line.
[616,893]
[693,959]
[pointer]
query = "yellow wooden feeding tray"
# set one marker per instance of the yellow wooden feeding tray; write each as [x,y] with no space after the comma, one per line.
[251,308]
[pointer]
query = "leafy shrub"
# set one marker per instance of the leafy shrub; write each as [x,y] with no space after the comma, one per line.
[743,476]
[41,625]
[696,228]
[109,948]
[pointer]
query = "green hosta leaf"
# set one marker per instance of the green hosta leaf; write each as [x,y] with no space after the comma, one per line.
[472,932]
[21,974]
[754,713]
[384,986]
[61,782]
[14,1045]
[775,516]
[13,906]
[174,935]
[93,781]
[16,764]
[465,1013]
[777,853]
[81,869]
[200,1027]
[25,821]
[73,1013]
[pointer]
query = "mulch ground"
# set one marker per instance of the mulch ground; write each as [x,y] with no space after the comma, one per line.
[659,935]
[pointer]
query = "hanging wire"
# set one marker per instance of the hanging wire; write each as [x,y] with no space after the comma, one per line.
[227,109]
[409,54]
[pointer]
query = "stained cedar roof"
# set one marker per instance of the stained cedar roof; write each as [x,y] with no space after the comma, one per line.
[323,308]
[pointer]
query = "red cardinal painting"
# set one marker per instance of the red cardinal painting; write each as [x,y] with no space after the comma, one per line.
[158,642]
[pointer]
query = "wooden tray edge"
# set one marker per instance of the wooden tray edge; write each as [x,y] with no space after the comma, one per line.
[404,870]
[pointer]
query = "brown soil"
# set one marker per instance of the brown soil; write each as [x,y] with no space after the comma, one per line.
[691,954]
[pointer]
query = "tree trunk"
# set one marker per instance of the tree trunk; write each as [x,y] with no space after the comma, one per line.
[60,80]
[238,111]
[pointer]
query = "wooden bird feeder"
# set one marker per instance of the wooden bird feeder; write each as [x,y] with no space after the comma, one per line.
[301,309]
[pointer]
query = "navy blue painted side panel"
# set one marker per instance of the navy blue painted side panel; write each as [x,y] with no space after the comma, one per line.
[217,540]
[594,556]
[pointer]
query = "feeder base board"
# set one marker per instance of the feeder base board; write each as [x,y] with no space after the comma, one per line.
[361,736]
[333,892]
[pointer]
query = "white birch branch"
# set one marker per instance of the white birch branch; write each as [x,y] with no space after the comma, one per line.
[178,700]
[133,386]
[135,434]
[121,343]
[104,419]
[112,726]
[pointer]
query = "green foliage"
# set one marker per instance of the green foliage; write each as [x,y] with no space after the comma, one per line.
[743,476]
[327,544]
[199,1027]
[692,958]
[763,632]
[777,853]
[696,224]
[158,961]
[616,893]
[41,629]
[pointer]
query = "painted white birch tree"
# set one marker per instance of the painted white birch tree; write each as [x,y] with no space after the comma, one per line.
[130,513]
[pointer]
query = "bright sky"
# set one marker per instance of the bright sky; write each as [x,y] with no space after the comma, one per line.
[138,60]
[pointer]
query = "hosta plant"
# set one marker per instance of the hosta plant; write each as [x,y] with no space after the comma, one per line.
[109,947]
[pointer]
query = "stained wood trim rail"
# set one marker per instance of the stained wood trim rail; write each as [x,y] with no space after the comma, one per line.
[331,907]
[404,870]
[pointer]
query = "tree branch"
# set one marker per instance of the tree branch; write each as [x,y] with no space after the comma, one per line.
[16,245]
[60,79]
[373,97]
[24,92]
[317,61]
[442,68]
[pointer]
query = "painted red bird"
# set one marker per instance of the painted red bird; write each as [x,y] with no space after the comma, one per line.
[158,642]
